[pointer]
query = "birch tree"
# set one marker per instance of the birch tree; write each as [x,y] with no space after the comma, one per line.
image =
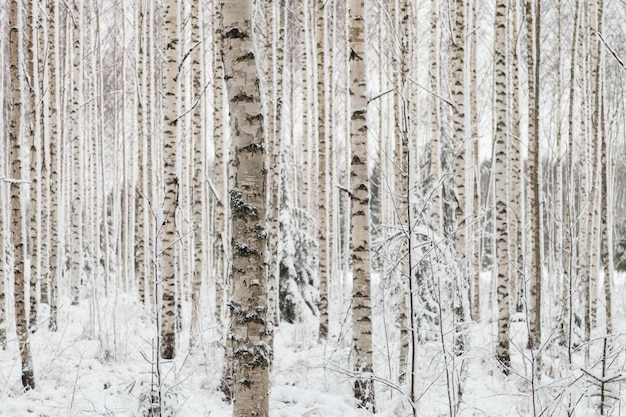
[170,203]
[54,129]
[250,332]
[322,213]
[198,170]
[76,114]
[18,238]
[35,151]
[533,25]
[360,213]
[501,137]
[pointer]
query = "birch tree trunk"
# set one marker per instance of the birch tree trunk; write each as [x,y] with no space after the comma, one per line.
[569,212]
[35,152]
[251,335]
[171,197]
[435,153]
[324,184]
[77,138]
[606,214]
[54,130]
[400,15]
[533,49]
[18,238]
[360,213]
[220,176]
[143,192]
[198,171]
[515,168]
[501,137]
[476,249]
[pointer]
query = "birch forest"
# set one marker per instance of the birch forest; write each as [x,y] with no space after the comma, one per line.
[312,208]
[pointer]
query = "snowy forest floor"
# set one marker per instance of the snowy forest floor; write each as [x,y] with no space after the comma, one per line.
[102,365]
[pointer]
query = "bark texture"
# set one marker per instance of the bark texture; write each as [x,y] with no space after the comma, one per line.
[360,213]
[18,239]
[501,137]
[170,179]
[250,330]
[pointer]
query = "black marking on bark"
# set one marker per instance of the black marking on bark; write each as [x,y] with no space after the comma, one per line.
[247,57]
[242,97]
[235,33]
[359,114]
[253,147]
[256,118]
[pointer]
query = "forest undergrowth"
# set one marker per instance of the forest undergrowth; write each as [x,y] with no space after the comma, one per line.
[101,362]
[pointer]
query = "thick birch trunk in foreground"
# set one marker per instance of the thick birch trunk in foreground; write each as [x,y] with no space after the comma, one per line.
[170,179]
[251,335]
[18,239]
[500,136]
[360,213]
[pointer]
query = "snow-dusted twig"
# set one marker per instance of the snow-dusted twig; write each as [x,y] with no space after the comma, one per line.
[14,181]
[617,58]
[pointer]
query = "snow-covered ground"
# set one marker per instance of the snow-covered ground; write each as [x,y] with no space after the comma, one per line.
[82,371]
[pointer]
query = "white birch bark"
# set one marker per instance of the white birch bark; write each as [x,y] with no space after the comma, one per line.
[324,184]
[532,15]
[503,354]
[402,103]
[167,258]
[606,214]
[360,213]
[77,138]
[19,234]
[54,104]
[569,214]
[251,335]
[435,153]
[143,194]
[199,230]
[220,175]
[35,151]
[515,169]
[477,228]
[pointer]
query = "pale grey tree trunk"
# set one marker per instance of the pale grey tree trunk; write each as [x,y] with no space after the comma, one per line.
[606,214]
[532,16]
[324,184]
[503,354]
[199,231]
[360,213]
[569,211]
[167,258]
[402,104]
[515,169]
[19,234]
[251,335]
[435,153]
[77,137]
[35,162]
[54,130]
[476,249]
[275,53]
[143,194]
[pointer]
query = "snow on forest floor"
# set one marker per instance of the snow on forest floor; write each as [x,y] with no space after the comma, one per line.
[81,374]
